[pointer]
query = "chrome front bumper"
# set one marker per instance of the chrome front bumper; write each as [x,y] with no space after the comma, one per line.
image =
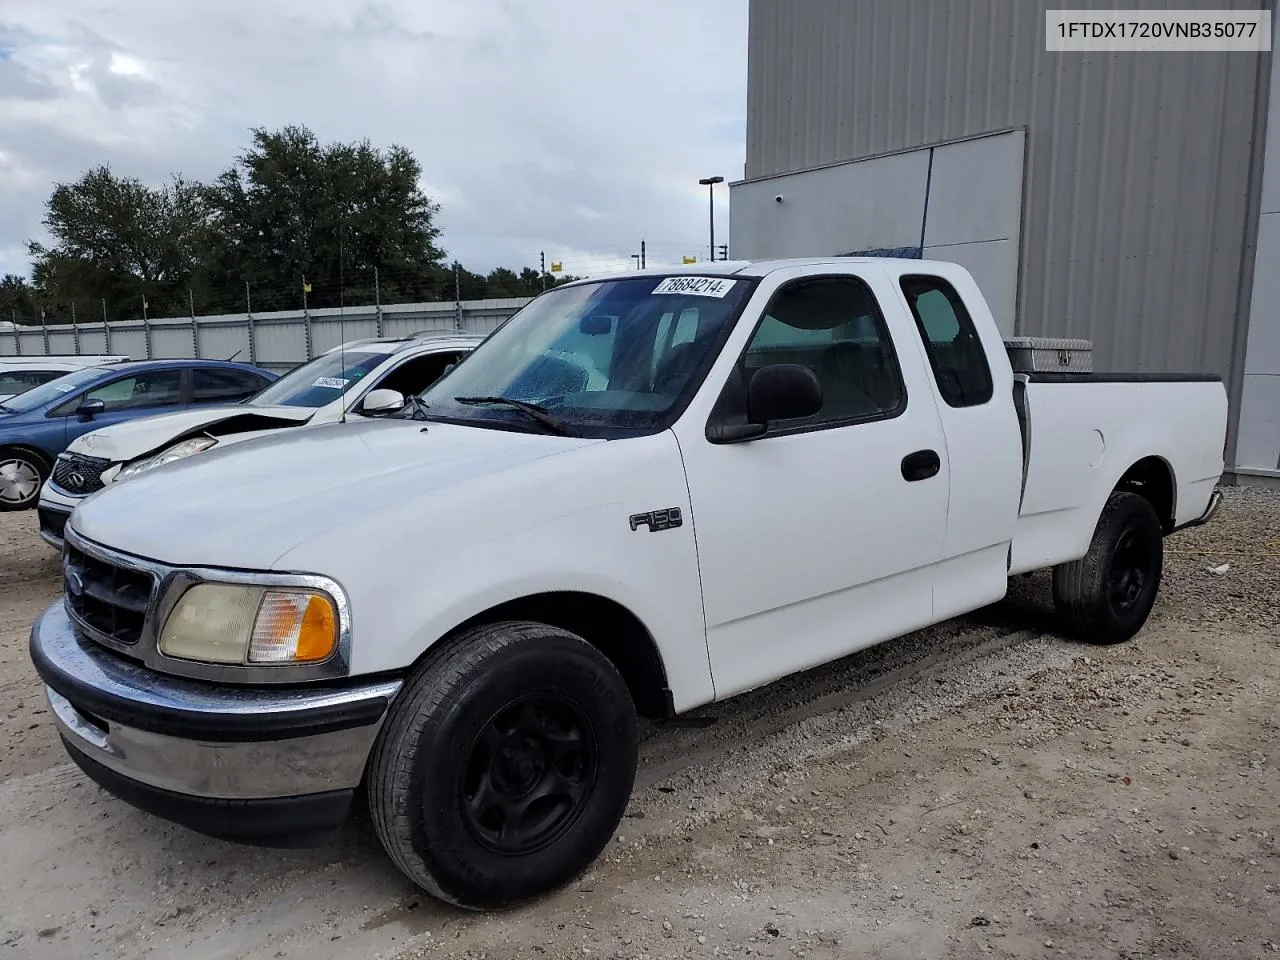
[203,754]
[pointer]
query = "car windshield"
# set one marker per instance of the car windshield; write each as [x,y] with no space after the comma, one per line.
[320,381]
[54,390]
[612,357]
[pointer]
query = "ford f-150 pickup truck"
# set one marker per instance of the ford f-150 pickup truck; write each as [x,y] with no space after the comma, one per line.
[639,495]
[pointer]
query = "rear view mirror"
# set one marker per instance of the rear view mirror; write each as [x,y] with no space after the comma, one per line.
[595,326]
[783,391]
[780,391]
[90,408]
[382,401]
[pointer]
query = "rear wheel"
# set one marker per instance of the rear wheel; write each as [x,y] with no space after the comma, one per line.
[1106,596]
[504,766]
[22,474]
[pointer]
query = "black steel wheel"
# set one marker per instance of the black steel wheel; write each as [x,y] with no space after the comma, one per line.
[1106,596]
[504,765]
[528,774]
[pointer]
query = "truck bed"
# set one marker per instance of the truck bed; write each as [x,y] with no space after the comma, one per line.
[1084,433]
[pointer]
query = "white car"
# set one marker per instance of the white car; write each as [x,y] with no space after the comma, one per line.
[335,384]
[461,617]
[20,374]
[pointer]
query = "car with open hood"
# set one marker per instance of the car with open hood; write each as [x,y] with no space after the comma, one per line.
[37,425]
[359,378]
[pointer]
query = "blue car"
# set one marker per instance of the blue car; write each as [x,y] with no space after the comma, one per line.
[37,425]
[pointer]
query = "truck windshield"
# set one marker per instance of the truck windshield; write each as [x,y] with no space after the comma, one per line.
[320,381]
[609,358]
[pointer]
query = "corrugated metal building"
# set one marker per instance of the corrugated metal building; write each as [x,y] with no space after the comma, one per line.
[1123,197]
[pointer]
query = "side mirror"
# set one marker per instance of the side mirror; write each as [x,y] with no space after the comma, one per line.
[382,401]
[783,391]
[89,409]
[780,391]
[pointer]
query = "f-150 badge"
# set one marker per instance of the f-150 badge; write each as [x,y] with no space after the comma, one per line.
[657,520]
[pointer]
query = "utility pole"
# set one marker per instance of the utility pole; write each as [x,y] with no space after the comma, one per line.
[377,300]
[106,327]
[542,258]
[710,184]
[636,258]
[248,304]
[642,263]
[75,328]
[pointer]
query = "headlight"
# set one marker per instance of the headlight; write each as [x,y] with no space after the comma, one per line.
[229,623]
[177,452]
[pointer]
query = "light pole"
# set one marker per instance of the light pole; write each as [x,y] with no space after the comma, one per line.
[710,184]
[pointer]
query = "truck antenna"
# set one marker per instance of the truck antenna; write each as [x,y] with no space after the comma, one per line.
[342,304]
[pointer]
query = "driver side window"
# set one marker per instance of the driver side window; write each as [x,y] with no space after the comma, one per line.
[833,326]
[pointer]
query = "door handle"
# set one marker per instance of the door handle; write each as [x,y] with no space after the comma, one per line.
[920,465]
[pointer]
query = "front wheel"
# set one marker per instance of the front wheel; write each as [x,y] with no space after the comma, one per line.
[22,474]
[504,766]
[1106,596]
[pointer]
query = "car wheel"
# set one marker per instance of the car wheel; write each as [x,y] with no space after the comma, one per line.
[504,766]
[1106,596]
[22,474]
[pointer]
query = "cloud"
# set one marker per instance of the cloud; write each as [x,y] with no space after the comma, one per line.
[576,129]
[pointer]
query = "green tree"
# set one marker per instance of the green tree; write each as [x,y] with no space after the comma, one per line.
[292,208]
[17,299]
[115,238]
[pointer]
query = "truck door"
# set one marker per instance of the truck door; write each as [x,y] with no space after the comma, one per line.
[820,537]
[975,402]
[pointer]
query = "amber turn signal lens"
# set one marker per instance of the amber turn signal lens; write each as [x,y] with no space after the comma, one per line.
[294,627]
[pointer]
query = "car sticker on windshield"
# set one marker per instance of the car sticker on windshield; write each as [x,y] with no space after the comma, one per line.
[696,286]
[64,387]
[337,383]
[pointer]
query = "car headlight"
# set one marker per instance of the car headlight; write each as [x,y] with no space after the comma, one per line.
[177,452]
[235,624]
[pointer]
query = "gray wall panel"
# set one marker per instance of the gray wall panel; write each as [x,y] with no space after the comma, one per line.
[1136,163]
[1258,446]
[854,206]
[1263,351]
[975,191]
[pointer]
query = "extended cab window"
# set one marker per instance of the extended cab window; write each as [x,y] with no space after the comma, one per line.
[955,352]
[833,326]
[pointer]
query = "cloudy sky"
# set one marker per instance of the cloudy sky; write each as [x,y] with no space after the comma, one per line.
[574,127]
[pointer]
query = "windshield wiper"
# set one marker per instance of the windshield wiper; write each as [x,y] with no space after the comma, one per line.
[532,409]
[415,408]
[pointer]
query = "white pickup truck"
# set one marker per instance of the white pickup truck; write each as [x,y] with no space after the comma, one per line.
[639,495]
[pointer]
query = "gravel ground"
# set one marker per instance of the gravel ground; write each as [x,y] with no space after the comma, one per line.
[982,788]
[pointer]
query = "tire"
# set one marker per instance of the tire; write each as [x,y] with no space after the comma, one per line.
[1106,596]
[22,474]
[517,727]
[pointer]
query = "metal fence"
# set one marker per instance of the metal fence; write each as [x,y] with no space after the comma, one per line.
[274,341]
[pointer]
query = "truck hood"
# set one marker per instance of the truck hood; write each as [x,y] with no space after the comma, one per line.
[122,442]
[248,504]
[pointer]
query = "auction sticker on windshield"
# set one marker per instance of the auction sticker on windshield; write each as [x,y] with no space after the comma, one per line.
[697,286]
[337,383]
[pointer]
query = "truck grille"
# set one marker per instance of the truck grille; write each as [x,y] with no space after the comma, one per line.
[78,474]
[107,600]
